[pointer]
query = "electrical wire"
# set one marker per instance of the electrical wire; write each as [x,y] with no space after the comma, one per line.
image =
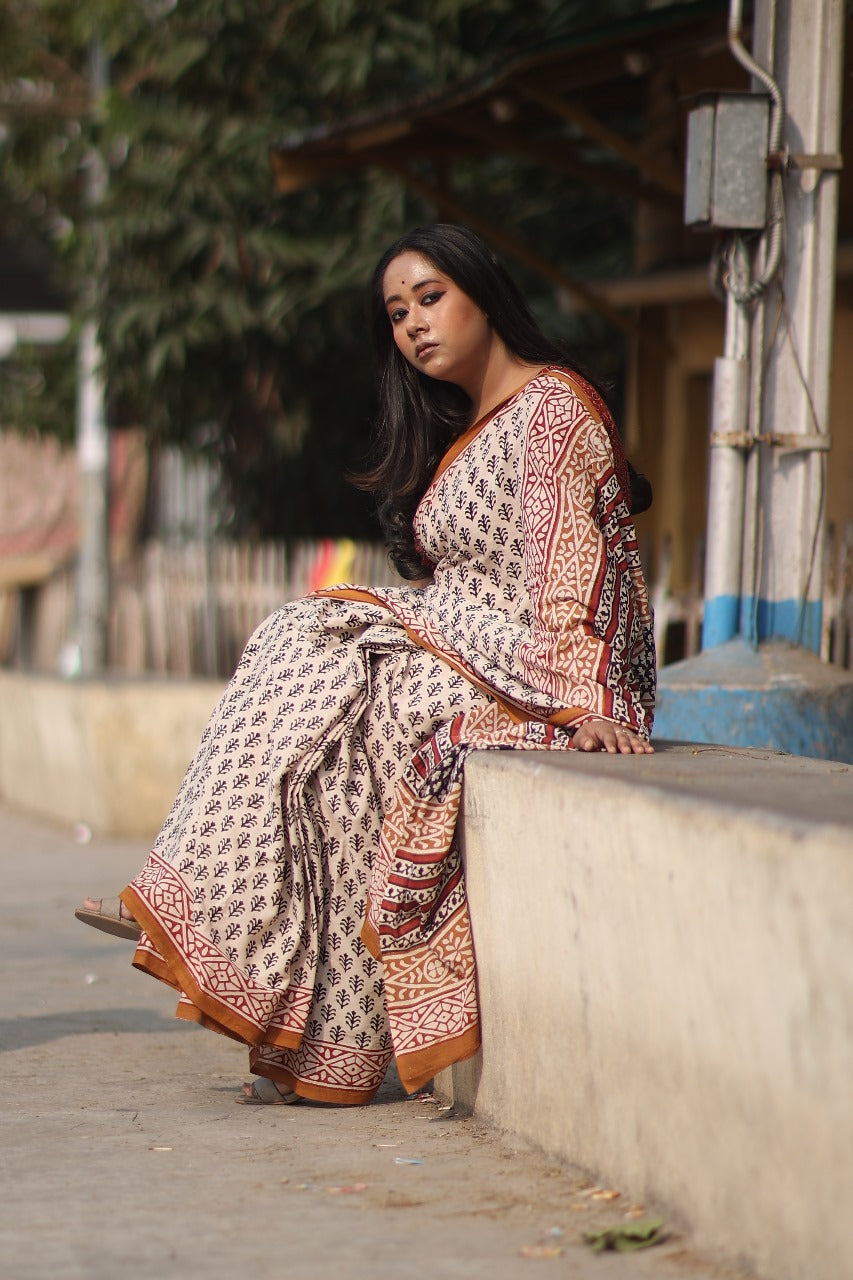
[818,429]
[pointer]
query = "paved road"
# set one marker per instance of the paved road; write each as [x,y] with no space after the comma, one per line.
[123,1154]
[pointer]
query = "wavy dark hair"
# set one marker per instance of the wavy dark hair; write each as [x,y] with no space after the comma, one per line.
[418,416]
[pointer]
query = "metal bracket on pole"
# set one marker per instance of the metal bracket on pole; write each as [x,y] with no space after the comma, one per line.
[732,440]
[797,442]
[827,161]
[791,442]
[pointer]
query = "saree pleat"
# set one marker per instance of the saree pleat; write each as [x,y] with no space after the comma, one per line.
[253,898]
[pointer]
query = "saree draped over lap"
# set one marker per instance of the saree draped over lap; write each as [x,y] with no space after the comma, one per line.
[306,894]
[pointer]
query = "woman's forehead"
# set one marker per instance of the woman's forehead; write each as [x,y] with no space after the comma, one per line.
[407,269]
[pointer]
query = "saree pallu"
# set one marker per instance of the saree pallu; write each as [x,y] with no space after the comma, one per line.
[306,895]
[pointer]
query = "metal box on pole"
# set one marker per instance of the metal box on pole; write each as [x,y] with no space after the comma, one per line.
[726,177]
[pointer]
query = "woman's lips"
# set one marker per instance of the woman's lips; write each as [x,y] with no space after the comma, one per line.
[423,348]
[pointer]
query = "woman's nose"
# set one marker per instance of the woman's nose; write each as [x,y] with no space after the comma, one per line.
[415,323]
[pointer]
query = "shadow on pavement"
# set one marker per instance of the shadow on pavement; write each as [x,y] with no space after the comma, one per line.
[25,1033]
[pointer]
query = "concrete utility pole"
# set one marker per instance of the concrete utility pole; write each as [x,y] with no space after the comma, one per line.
[93,450]
[769,428]
[801,42]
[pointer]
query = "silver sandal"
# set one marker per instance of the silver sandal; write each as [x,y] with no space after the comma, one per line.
[266,1093]
[109,919]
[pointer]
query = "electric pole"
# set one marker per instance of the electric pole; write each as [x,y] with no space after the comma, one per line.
[801,42]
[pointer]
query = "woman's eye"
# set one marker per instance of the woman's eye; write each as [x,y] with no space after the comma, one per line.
[429,298]
[396,315]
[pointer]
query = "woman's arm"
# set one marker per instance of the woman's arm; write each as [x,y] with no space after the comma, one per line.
[583,578]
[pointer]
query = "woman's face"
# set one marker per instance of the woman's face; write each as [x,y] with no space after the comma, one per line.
[435,325]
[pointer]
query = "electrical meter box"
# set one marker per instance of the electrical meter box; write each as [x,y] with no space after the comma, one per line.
[726,178]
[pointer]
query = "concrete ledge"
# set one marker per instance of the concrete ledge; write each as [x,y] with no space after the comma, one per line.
[665,960]
[108,753]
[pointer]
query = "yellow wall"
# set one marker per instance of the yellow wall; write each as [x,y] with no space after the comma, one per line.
[839,504]
[668,421]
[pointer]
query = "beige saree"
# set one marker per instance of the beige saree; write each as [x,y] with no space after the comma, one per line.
[306,895]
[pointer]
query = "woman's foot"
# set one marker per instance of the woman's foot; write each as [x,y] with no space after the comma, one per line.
[110,915]
[263,1092]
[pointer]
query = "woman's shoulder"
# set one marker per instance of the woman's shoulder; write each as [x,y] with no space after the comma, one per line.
[576,417]
[561,382]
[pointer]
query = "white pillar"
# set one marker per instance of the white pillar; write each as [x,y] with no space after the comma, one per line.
[727,467]
[93,447]
[93,465]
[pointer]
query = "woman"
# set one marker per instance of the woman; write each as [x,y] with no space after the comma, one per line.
[305,894]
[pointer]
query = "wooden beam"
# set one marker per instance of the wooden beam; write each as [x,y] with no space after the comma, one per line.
[294,168]
[376,135]
[660,174]
[556,154]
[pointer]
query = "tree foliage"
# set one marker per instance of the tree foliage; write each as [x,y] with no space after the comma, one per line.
[227,314]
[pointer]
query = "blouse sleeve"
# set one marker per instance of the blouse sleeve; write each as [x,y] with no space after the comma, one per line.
[582,570]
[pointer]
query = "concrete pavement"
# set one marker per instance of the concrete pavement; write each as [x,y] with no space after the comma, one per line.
[124,1154]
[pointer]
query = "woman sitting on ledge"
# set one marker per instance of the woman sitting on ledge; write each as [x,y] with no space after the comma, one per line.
[306,895]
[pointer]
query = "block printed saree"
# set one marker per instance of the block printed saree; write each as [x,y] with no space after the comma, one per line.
[306,894]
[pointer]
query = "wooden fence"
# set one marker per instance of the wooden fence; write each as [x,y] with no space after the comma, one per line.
[188,609]
[837,633]
[182,609]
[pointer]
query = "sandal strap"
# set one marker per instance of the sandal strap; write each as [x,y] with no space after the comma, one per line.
[268,1091]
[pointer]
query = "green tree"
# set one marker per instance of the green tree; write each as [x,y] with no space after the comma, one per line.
[230,317]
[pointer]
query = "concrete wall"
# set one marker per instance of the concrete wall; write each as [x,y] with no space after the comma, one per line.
[665,961]
[110,754]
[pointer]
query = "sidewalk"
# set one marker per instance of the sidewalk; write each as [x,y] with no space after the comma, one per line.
[125,1156]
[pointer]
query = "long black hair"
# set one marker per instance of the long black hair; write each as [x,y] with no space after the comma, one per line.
[418,416]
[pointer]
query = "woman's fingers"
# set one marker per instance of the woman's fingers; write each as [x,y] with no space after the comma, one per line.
[616,739]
